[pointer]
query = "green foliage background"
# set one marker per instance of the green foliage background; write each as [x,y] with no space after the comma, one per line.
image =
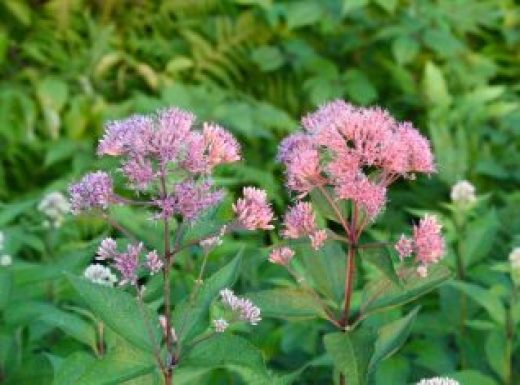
[450,66]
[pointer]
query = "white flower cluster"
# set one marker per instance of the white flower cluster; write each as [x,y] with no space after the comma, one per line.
[212,242]
[243,307]
[100,275]
[5,259]
[220,325]
[54,206]
[463,193]
[514,258]
[438,381]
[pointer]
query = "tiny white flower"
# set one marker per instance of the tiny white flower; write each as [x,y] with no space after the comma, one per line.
[514,258]
[438,381]
[54,206]
[220,325]
[243,307]
[6,260]
[422,271]
[463,192]
[100,275]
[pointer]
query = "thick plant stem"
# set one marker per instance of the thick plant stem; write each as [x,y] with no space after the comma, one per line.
[351,267]
[170,361]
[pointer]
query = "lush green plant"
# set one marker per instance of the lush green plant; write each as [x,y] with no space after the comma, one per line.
[450,66]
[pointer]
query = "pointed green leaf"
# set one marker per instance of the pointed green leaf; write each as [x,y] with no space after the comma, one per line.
[485,298]
[383,293]
[71,324]
[230,352]
[121,312]
[121,364]
[391,337]
[287,303]
[351,353]
[188,316]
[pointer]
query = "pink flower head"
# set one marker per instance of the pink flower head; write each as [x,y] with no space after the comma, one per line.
[173,126]
[318,239]
[107,249]
[221,146]
[281,256]
[299,221]
[191,198]
[292,144]
[304,171]
[408,152]
[428,240]
[139,172]
[125,136]
[127,263]
[253,211]
[333,115]
[404,247]
[93,191]
[153,262]
[369,195]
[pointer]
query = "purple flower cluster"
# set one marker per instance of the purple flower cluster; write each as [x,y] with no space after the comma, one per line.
[93,191]
[128,262]
[154,147]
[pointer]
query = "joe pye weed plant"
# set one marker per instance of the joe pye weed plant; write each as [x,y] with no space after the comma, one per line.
[167,165]
[340,167]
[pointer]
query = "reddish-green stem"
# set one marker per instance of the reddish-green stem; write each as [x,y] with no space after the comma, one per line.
[168,372]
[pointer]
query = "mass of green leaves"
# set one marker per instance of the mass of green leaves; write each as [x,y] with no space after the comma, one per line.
[256,66]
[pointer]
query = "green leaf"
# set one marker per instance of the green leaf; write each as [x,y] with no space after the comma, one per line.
[120,364]
[485,298]
[383,293]
[358,86]
[382,261]
[268,58]
[190,318]
[405,49]
[72,368]
[287,303]
[479,238]
[434,86]
[71,324]
[351,5]
[20,10]
[388,5]
[302,13]
[230,352]
[5,288]
[351,352]
[391,337]
[52,92]
[498,352]
[325,268]
[121,312]
[472,377]
[320,203]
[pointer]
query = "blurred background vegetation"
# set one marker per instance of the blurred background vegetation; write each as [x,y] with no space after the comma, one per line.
[452,67]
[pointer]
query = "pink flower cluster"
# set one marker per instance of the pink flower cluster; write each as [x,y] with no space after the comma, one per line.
[281,256]
[253,211]
[93,191]
[128,262]
[243,307]
[300,221]
[357,151]
[153,147]
[427,243]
